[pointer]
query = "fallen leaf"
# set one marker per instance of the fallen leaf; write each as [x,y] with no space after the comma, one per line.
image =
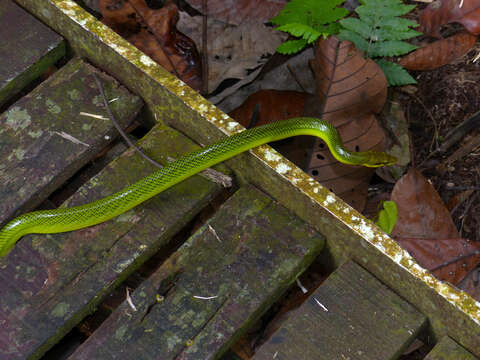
[350,90]
[234,52]
[273,105]
[426,230]
[421,212]
[471,284]
[154,32]
[432,254]
[442,12]
[236,12]
[294,74]
[439,53]
[266,106]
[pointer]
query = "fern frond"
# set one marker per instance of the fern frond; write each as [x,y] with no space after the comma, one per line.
[357,26]
[291,46]
[385,34]
[354,37]
[385,8]
[301,30]
[390,48]
[401,24]
[379,32]
[395,74]
[314,13]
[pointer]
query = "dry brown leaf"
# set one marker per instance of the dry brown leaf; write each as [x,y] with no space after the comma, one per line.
[233,51]
[350,90]
[471,284]
[433,253]
[439,53]
[442,12]
[425,229]
[273,105]
[154,32]
[237,11]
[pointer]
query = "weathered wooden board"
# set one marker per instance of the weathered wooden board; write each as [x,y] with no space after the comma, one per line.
[28,48]
[213,288]
[49,283]
[44,139]
[350,316]
[447,349]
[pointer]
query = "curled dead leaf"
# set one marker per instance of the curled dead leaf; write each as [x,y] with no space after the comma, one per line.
[439,53]
[440,12]
[154,32]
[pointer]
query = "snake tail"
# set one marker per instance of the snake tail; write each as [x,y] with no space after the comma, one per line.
[78,217]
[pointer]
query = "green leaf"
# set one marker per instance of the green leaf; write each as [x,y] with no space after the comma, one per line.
[359,41]
[389,48]
[387,217]
[380,28]
[385,33]
[396,75]
[301,30]
[401,24]
[383,8]
[310,12]
[291,46]
[357,26]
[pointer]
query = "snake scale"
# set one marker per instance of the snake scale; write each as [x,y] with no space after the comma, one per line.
[78,217]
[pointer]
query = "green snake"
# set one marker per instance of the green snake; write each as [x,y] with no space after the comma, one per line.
[78,217]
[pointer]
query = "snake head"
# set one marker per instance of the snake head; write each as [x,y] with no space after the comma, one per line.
[377,159]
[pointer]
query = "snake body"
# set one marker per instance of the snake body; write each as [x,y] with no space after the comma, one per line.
[77,217]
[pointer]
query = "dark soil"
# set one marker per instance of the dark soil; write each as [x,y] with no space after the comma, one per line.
[444,99]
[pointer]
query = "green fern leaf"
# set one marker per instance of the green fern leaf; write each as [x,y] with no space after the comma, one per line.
[300,30]
[398,23]
[357,26]
[389,48]
[385,34]
[354,37]
[291,46]
[310,12]
[396,75]
[384,8]
[379,31]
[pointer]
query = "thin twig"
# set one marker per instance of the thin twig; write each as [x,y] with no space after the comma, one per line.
[454,260]
[118,127]
[467,209]
[297,80]
[205,47]
[215,176]
[435,125]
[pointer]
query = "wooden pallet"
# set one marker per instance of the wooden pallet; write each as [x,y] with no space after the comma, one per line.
[235,259]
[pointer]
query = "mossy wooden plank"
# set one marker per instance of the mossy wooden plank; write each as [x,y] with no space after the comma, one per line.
[213,288]
[44,139]
[350,316]
[447,349]
[28,48]
[49,283]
